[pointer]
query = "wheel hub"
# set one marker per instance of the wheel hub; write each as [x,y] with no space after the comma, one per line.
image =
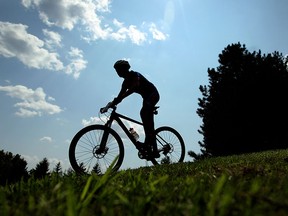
[99,152]
[168,148]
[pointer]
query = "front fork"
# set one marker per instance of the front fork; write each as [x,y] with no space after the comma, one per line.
[102,148]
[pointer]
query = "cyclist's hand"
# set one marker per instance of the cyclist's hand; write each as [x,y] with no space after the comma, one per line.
[105,109]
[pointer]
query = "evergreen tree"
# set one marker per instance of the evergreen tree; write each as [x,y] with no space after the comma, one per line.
[58,169]
[12,168]
[97,169]
[41,170]
[244,107]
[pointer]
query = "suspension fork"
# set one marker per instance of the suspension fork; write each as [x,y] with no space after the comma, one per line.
[105,136]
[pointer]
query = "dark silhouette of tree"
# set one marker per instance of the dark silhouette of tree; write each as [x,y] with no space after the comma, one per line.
[69,172]
[97,169]
[58,169]
[244,108]
[82,168]
[12,168]
[197,157]
[41,170]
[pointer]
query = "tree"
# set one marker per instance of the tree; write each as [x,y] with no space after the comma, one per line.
[42,169]
[244,109]
[58,169]
[12,168]
[97,169]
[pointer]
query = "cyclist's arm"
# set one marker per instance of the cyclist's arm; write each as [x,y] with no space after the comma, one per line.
[126,91]
[121,96]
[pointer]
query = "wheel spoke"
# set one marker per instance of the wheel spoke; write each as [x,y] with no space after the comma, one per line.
[170,144]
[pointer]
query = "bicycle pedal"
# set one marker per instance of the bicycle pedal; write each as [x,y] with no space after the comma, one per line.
[142,155]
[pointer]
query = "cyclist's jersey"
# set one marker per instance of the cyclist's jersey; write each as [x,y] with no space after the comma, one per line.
[145,88]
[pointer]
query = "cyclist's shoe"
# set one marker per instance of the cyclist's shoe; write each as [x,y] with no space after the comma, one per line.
[145,155]
[144,152]
[152,155]
[153,152]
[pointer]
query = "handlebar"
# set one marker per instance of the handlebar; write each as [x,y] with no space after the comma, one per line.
[107,107]
[110,105]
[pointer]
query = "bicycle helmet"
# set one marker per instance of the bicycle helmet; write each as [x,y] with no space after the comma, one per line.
[122,64]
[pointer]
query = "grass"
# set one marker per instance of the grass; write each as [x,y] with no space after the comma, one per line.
[251,184]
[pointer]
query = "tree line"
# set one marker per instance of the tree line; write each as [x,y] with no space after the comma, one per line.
[244,108]
[13,168]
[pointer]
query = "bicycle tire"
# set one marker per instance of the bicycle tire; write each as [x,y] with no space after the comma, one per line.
[171,146]
[82,151]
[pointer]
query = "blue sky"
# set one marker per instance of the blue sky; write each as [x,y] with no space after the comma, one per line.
[57,59]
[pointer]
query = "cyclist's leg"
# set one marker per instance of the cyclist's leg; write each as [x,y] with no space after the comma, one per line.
[147,117]
[148,124]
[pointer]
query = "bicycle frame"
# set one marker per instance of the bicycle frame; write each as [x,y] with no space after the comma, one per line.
[117,117]
[100,144]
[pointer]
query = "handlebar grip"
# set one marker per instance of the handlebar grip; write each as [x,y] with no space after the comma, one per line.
[102,110]
[105,109]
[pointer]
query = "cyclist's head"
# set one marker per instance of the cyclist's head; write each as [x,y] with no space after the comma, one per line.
[122,67]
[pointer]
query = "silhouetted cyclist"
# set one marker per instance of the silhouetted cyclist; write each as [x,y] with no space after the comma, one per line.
[135,82]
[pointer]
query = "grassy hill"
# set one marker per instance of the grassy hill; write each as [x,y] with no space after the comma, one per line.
[251,184]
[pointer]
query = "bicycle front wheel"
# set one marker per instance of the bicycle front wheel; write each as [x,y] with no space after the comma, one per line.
[85,154]
[170,146]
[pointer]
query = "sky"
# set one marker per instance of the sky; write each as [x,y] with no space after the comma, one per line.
[57,59]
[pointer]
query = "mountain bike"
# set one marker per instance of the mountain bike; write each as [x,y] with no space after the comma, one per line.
[95,147]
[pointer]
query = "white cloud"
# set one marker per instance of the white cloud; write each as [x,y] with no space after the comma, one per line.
[88,14]
[92,120]
[27,3]
[103,5]
[46,139]
[157,34]
[26,113]
[132,32]
[77,62]
[53,39]
[33,102]
[34,160]
[53,162]
[51,98]
[68,13]
[135,35]
[31,160]
[121,33]
[15,41]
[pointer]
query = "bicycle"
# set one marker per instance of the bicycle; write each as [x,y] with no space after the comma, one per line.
[95,147]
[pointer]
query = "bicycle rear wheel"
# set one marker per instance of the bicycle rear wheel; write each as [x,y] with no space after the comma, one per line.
[170,146]
[85,154]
